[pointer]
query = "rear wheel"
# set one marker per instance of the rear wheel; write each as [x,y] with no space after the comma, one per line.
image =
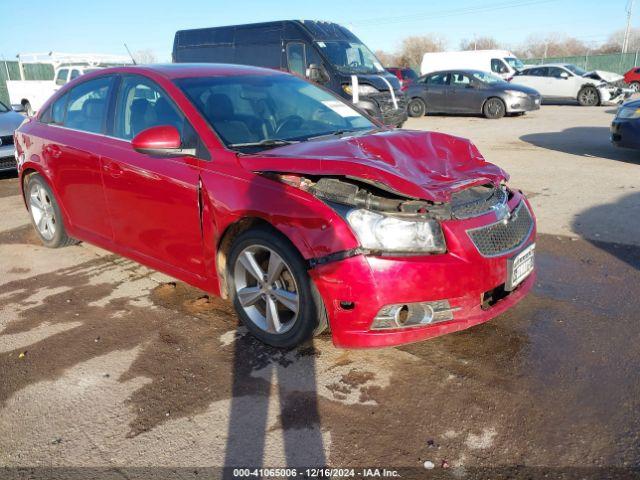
[45,213]
[494,108]
[588,96]
[416,108]
[635,86]
[271,290]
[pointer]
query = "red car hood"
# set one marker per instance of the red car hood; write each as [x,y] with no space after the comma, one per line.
[425,165]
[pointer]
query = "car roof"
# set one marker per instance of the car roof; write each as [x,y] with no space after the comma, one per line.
[185,70]
[564,65]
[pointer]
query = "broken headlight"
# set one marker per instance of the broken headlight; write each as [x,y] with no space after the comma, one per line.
[394,234]
[362,89]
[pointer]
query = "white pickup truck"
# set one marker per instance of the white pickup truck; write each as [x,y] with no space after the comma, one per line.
[30,95]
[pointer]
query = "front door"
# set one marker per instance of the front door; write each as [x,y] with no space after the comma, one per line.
[465,95]
[153,201]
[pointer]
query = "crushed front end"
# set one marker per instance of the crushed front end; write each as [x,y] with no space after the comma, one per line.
[482,265]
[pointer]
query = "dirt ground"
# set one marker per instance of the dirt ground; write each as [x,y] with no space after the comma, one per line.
[110,370]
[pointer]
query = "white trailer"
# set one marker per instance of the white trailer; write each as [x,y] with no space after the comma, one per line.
[30,95]
[500,62]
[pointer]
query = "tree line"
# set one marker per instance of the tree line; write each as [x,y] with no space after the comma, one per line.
[411,49]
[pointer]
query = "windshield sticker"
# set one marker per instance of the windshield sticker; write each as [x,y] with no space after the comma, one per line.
[340,108]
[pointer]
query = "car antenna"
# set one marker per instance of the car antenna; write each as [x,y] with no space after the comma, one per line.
[129,52]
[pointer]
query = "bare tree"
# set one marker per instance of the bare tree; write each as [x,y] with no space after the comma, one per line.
[551,45]
[479,43]
[413,48]
[145,57]
[387,59]
[615,40]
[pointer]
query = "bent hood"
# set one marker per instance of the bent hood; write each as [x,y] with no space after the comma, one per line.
[609,77]
[426,165]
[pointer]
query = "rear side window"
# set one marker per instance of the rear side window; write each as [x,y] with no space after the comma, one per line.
[143,104]
[409,74]
[87,105]
[536,72]
[74,74]
[58,109]
[438,79]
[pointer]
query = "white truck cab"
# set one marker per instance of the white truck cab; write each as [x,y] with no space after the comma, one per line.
[29,95]
[499,62]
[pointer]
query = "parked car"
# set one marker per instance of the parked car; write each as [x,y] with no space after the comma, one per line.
[29,95]
[625,128]
[323,52]
[503,63]
[469,91]
[564,81]
[632,78]
[404,75]
[303,213]
[9,121]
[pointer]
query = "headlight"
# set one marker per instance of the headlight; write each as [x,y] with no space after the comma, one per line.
[395,234]
[628,112]
[516,93]
[362,89]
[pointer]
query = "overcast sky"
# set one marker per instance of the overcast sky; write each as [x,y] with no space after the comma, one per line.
[84,26]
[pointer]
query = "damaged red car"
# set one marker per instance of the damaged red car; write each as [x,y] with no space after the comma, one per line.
[255,185]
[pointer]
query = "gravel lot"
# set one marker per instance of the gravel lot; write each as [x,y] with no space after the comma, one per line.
[110,370]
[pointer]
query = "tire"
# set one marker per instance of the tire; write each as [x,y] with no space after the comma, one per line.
[291,286]
[588,96]
[494,108]
[28,110]
[416,108]
[45,213]
[635,86]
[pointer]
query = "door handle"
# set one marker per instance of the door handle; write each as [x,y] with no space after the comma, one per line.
[112,169]
[53,151]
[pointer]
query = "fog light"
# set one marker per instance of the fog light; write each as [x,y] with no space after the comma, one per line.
[406,315]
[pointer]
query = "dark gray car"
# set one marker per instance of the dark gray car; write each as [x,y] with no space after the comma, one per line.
[469,91]
[9,121]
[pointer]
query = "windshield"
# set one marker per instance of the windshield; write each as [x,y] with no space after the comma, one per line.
[350,57]
[487,78]
[251,112]
[575,70]
[3,108]
[514,63]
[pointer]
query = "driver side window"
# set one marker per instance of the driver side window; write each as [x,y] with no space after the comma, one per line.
[296,58]
[498,66]
[142,104]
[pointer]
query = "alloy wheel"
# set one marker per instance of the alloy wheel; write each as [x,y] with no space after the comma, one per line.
[42,211]
[266,289]
[588,96]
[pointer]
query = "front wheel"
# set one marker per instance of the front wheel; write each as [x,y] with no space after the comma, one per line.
[271,290]
[416,108]
[588,97]
[494,108]
[45,213]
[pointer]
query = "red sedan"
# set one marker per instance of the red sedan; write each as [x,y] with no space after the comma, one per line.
[255,185]
[632,78]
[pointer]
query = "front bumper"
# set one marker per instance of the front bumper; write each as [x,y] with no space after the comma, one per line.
[382,108]
[355,289]
[614,95]
[626,133]
[516,104]
[7,157]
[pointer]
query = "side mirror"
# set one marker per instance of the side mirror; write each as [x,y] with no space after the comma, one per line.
[564,75]
[162,141]
[316,73]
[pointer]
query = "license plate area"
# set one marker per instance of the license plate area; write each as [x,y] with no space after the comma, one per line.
[520,267]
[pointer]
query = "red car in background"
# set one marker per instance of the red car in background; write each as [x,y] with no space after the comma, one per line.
[632,78]
[405,75]
[256,185]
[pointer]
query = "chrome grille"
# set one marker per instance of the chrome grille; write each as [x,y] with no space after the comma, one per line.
[7,140]
[7,163]
[477,201]
[503,237]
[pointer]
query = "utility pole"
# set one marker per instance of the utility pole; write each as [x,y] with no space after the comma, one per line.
[627,31]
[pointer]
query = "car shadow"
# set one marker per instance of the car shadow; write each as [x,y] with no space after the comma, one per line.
[584,142]
[620,217]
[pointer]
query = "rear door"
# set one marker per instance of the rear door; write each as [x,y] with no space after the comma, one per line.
[75,136]
[153,201]
[536,78]
[436,89]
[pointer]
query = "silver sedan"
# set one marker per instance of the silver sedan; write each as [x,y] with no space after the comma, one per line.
[9,121]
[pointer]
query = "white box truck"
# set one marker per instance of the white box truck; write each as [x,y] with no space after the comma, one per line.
[30,95]
[500,62]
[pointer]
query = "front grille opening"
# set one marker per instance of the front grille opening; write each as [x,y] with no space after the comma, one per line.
[476,201]
[491,297]
[504,236]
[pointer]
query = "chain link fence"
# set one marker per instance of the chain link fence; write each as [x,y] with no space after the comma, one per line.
[610,62]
